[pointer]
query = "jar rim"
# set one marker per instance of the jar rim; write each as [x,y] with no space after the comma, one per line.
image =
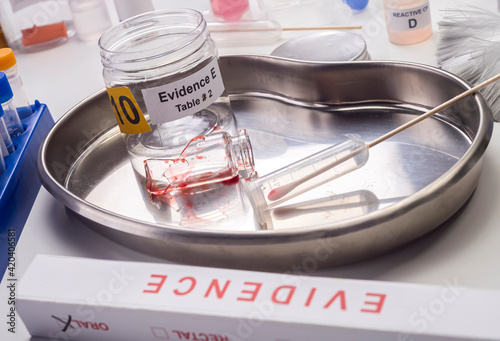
[141,24]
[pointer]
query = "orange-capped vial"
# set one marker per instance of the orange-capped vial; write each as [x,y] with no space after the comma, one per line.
[408,21]
[8,65]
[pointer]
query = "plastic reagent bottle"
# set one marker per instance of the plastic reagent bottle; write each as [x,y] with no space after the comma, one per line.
[408,21]
[11,118]
[8,64]
[213,158]
[6,143]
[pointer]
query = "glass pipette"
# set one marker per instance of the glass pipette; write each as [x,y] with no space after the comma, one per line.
[328,164]
[256,32]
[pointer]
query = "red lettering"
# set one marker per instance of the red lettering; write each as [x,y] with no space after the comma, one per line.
[253,293]
[94,325]
[340,294]
[378,304]
[291,291]
[199,336]
[310,297]
[157,285]
[182,335]
[191,287]
[215,284]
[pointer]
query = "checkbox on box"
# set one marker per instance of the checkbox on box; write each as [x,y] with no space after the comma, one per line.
[160,333]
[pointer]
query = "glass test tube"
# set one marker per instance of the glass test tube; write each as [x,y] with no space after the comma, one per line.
[254,32]
[11,118]
[306,174]
[6,142]
[408,21]
[90,18]
[164,83]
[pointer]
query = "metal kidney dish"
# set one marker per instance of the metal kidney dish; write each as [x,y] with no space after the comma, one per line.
[411,183]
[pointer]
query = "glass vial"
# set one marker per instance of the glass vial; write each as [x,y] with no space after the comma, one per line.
[229,10]
[6,141]
[129,8]
[205,160]
[11,118]
[90,18]
[408,21]
[8,64]
[163,79]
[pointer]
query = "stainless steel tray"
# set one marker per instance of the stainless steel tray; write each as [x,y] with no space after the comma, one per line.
[411,184]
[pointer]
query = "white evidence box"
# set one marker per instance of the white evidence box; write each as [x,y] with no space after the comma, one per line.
[68,298]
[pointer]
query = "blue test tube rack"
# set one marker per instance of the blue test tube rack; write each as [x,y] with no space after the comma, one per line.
[20,183]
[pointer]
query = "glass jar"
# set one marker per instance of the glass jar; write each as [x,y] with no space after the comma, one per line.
[162,75]
[11,117]
[205,160]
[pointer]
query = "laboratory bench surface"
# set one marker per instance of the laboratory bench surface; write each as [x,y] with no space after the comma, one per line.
[464,250]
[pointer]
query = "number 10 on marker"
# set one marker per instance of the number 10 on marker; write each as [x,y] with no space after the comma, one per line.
[128,114]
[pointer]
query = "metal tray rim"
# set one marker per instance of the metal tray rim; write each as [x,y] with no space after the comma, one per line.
[131,225]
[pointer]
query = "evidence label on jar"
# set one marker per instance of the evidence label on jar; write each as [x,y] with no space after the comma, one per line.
[127,111]
[407,19]
[184,97]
